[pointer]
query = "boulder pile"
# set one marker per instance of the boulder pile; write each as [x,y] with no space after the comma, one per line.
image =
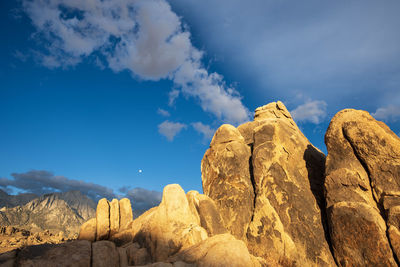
[270,199]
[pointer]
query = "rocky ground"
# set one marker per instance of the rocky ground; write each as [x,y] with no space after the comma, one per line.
[14,238]
[270,199]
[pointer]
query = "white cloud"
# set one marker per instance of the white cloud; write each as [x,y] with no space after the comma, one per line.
[205,130]
[163,112]
[172,96]
[331,50]
[390,113]
[170,129]
[311,111]
[145,37]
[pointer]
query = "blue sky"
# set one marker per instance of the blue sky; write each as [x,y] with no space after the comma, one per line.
[119,97]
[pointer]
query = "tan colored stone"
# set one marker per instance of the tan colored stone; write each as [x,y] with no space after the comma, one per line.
[226,179]
[103,219]
[219,250]
[72,254]
[285,172]
[88,230]
[114,217]
[193,204]
[209,217]
[362,174]
[126,215]
[105,254]
[288,177]
[169,227]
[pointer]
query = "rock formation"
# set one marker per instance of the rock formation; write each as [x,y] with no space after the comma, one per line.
[281,220]
[363,190]
[112,218]
[270,199]
[225,168]
[12,238]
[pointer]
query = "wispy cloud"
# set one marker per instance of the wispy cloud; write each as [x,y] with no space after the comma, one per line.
[334,51]
[390,113]
[203,129]
[145,37]
[170,129]
[163,112]
[311,111]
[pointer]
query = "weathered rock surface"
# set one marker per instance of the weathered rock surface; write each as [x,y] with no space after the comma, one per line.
[208,215]
[285,172]
[104,254]
[226,179]
[103,219]
[112,222]
[125,211]
[363,189]
[171,226]
[12,238]
[114,217]
[88,230]
[219,250]
[76,253]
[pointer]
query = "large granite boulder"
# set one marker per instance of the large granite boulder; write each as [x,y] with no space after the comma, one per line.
[363,190]
[170,227]
[88,230]
[219,250]
[113,222]
[207,212]
[103,219]
[282,219]
[226,179]
[76,253]
[105,254]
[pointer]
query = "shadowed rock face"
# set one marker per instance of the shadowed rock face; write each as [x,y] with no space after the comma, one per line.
[280,178]
[363,189]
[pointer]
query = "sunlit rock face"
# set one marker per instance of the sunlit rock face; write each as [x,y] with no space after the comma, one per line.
[363,190]
[266,178]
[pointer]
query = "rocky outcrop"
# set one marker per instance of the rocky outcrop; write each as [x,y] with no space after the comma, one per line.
[125,212]
[363,190]
[220,250]
[77,253]
[206,213]
[112,221]
[272,158]
[105,254]
[12,238]
[169,227]
[88,230]
[225,168]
